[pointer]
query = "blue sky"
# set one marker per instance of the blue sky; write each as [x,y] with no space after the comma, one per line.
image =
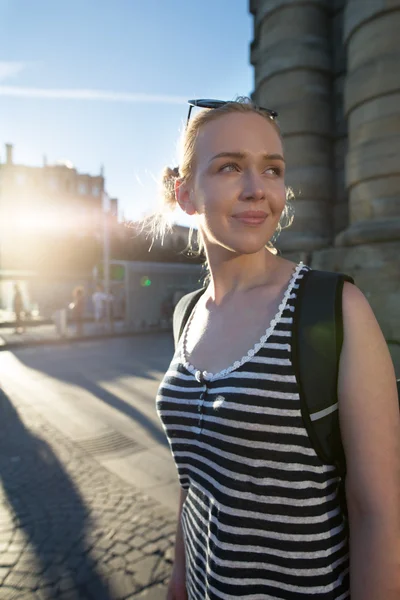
[106,82]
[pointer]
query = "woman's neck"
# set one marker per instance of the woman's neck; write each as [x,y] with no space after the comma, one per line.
[239,274]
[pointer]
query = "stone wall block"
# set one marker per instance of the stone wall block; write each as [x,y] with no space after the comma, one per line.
[303,150]
[379,117]
[374,40]
[303,101]
[301,241]
[340,216]
[300,22]
[358,12]
[356,258]
[370,231]
[372,80]
[381,196]
[266,8]
[311,183]
[288,87]
[377,208]
[290,55]
[311,209]
[303,117]
[296,36]
[308,214]
[378,158]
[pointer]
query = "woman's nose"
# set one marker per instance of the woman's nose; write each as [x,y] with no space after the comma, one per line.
[253,188]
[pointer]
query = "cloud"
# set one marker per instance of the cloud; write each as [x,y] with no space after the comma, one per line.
[10,69]
[82,94]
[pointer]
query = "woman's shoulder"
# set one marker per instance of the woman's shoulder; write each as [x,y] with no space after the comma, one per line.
[287,268]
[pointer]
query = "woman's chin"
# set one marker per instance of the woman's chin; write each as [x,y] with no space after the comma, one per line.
[247,247]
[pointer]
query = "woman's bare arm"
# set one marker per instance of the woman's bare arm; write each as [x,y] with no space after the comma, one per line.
[177,586]
[179,541]
[370,425]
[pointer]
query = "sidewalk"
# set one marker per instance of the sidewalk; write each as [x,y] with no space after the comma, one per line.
[69,528]
[47,334]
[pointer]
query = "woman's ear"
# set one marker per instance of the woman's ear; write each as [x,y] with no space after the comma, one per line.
[182,195]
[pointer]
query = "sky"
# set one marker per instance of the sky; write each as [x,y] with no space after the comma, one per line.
[106,82]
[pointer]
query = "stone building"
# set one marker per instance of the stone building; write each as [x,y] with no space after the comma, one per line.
[331,68]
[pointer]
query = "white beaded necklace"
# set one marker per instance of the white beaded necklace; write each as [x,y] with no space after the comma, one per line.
[204,375]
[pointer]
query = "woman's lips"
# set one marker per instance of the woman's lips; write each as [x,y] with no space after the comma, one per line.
[250,220]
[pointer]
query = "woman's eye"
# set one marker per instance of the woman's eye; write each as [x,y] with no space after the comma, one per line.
[274,170]
[229,167]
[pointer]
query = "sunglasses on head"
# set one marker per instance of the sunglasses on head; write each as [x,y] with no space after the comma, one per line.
[272,114]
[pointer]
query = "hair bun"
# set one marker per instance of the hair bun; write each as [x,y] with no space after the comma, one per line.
[170,173]
[168,183]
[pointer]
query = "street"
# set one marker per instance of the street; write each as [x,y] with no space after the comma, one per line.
[89,490]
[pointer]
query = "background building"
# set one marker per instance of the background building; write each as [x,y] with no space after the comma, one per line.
[51,230]
[331,70]
[53,200]
[51,240]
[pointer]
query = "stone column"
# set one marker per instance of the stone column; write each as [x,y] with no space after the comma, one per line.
[372,105]
[369,249]
[291,53]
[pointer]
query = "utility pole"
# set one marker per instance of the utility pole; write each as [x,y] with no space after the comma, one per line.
[106,205]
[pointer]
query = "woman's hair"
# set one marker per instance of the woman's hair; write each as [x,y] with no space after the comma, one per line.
[157,224]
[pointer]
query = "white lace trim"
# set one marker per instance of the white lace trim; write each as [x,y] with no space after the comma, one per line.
[205,375]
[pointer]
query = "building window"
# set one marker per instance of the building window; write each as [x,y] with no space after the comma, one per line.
[82,189]
[96,191]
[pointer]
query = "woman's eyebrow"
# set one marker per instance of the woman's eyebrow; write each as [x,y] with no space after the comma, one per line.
[242,155]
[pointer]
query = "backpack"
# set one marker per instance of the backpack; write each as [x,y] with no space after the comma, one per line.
[317,340]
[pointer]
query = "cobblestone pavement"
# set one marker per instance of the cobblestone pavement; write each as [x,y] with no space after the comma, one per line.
[69,528]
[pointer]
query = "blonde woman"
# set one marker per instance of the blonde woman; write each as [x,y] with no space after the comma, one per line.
[259,514]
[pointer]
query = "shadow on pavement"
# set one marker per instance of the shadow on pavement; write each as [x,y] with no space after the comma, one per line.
[47,507]
[79,366]
[139,356]
[139,417]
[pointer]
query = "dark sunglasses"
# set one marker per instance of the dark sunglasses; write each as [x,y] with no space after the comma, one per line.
[272,114]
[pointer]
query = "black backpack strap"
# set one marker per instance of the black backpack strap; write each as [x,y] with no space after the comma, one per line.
[317,343]
[182,312]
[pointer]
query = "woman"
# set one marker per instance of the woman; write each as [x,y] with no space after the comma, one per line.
[259,513]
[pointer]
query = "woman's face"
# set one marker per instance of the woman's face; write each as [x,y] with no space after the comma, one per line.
[239,168]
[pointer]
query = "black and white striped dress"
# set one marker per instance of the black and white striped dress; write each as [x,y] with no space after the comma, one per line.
[262,518]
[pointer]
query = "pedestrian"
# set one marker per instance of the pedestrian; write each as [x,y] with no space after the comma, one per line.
[78,309]
[18,308]
[109,309]
[260,514]
[99,304]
